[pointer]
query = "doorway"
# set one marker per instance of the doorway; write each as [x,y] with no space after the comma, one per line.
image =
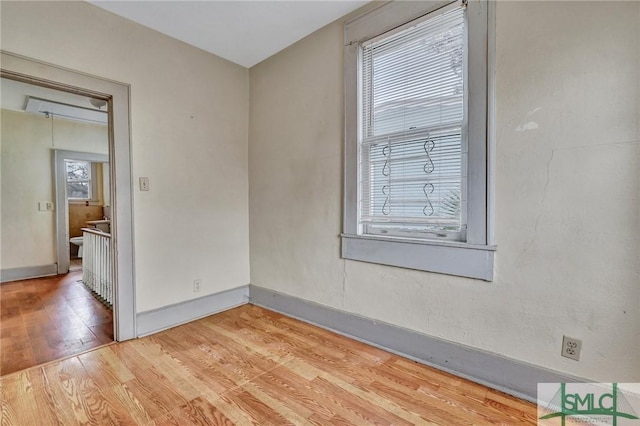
[89,206]
[116,95]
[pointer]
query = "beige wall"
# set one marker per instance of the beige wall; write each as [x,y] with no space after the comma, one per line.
[27,235]
[79,214]
[189,124]
[567,193]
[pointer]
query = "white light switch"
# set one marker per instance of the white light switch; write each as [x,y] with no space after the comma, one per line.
[45,206]
[144,184]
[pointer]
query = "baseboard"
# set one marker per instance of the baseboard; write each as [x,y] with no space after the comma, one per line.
[156,320]
[26,272]
[496,371]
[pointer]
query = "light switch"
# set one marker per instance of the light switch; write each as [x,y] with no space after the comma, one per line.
[45,206]
[144,184]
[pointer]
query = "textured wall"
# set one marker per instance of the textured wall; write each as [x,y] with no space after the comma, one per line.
[567,193]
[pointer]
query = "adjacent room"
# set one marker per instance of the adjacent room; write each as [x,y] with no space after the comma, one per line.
[317,212]
[55,189]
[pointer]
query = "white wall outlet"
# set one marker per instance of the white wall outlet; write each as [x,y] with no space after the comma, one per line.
[144,184]
[571,348]
[45,206]
[196,285]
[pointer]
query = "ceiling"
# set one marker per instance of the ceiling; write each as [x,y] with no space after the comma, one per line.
[244,32]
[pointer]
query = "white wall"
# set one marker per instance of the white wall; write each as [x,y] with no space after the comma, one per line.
[189,124]
[27,234]
[567,193]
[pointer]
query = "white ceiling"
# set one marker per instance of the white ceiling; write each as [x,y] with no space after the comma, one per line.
[244,32]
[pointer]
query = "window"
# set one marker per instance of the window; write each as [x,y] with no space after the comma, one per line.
[411,148]
[79,184]
[416,138]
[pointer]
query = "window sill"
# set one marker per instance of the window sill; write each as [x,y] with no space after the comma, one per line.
[84,202]
[444,257]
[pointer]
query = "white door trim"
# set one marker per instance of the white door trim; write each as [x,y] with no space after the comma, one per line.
[32,71]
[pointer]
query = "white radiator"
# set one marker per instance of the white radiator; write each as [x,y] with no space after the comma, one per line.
[97,268]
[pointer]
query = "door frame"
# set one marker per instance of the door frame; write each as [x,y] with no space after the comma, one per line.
[62,201]
[28,70]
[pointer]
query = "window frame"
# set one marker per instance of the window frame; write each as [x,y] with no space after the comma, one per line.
[474,257]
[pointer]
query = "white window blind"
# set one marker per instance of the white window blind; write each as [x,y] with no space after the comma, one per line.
[412,150]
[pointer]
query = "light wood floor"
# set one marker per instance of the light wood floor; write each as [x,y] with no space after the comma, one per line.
[249,366]
[50,318]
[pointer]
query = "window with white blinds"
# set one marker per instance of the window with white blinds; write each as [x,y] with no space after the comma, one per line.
[418,156]
[411,149]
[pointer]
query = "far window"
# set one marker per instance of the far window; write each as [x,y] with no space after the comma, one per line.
[79,183]
[416,147]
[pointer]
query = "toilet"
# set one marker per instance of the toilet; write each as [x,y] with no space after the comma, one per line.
[103,225]
[77,241]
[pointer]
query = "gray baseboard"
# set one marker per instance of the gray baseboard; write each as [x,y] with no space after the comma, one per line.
[26,272]
[155,320]
[496,371]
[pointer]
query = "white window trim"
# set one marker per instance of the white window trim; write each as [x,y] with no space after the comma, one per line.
[475,257]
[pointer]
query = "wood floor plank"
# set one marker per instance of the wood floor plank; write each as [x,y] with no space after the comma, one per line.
[390,405]
[257,410]
[305,390]
[104,368]
[121,395]
[261,334]
[207,376]
[367,412]
[200,412]
[277,404]
[80,395]
[232,411]
[319,419]
[294,390]
[171,376]
[241,362]
[267,353]
[47,409]
[245,366]
[430,409]
[18,404]
[202,366]
[63,391]
[510,406]
[428,402]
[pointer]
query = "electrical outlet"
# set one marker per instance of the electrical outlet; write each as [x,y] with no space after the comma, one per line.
[196,285]
[144,184]
[571,348]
